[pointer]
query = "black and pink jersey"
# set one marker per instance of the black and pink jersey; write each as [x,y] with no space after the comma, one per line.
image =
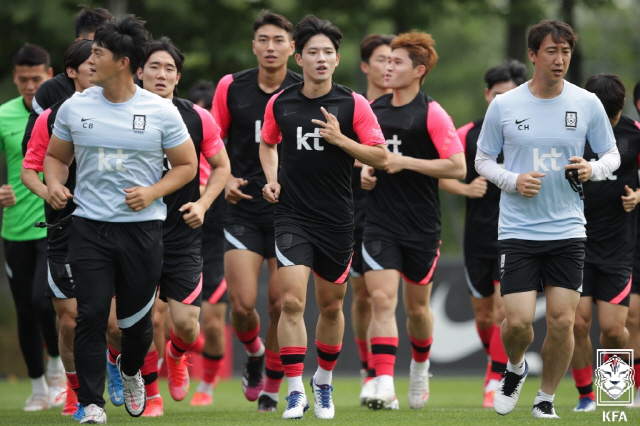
[481,220]
[205,134]
[238,108]
[407,203]
[610,230]
[315,176]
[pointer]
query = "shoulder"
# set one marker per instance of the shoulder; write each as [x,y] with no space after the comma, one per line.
[577,93]
[11,105]
[242,76]
[382,100]
[340,90]
[287,91]
[293,77]
[184,104]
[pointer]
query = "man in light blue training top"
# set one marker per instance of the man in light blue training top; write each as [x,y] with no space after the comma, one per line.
[542,126]
[119,134]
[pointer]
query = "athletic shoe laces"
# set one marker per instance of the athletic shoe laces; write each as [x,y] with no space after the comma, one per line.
[546,407]
[114,376]
[511,381]
[293,400]
[324,395]
[79,414]
[178,375]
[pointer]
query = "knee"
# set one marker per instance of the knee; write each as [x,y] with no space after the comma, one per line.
[331,309]
[291,304]
[382,302]
[561,324]
[581,327]
[67,323]
[484,318]
[518,325]
[612,331]
[186,325]
[241,309]
[275,308]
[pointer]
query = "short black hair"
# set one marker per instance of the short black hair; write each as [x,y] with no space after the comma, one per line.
[560,31]
[269,18]
[636,96]
[88,20]
[31,55]
[371,43]
[202,91]
[511,70]
[124,37]
[310,26]
[165,44]
[77,54]
[610,89]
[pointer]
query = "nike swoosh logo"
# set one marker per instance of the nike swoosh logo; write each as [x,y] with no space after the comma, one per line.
[133,404]
[85,119]
[15,133]
[289,113]
[521,121]
[243,106]
[462,338]
[113,395]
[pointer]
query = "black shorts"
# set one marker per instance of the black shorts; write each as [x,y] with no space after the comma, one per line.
[328,253]
[256,237]
[635,282]
[214,286]
[59,277]
[414,258]
[357,267]
[181,278]
[608,283]
[482,273]
[527,265]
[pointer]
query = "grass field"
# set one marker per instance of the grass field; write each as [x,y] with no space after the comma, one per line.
[453,401]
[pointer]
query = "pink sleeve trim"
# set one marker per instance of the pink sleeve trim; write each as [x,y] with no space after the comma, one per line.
[442,131]
[211,142]
[205,170]
[462,134]
[38,144]
[219,108]
[270,130]
[365,123]
[637,124]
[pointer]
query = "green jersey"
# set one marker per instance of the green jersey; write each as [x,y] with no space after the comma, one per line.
[18,220]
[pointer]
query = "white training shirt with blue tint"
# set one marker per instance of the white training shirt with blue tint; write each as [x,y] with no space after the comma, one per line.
[118,146]
[541,135]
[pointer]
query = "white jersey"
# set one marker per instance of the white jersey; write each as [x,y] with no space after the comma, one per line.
[118,146]
[541,135]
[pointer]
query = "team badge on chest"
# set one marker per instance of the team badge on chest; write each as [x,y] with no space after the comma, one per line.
[571,119]
[139,121]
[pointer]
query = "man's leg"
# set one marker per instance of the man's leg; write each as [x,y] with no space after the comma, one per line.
[633,326]
[184,334]
[582,359]
[496,349]
[274,372]
[160,309]
[612,318]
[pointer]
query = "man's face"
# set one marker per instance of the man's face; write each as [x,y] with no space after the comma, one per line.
[82,75]
[551,63]
[160,74]
[498,89]
[319,59]
[272,46]
[104,66]
[400,72]
[375,69]
[29,78]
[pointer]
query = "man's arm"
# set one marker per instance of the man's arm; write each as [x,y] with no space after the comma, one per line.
[454,167]
[476,189]
[56,171]
[31,179]
[269,160]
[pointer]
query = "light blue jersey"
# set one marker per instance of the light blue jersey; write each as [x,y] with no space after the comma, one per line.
[541,135]
[118,146]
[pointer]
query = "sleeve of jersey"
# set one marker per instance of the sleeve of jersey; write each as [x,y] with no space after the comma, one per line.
[270,130]
[442,131]
[462,134]
[174,130]
[38,144]
[28,130]
[365,123]
[205,169]
[61,126]
[219,108]
[491,137]
[211,142]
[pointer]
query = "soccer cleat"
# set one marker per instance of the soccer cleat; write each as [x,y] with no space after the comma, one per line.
[114,383]
[418,387]
[363,376]
[267,405]
[395,405]
[585,404]
[57,389]
[253,377]
[488,399]
[383,401]
[79,414]
[544,410]
[323,406]
[133,392]
[368,390]
[297,405]
[154,408]
[70,403]
[200,399]
[508,391]
[177,374]
[94,415]
[37,403]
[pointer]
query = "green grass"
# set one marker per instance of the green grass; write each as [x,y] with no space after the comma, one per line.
[453,401]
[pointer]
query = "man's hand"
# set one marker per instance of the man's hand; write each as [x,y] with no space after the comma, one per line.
[528,184]
[195,214]
[367,179]
[395,163]
[582,166]
[477,188]
[330,130]
[139,197]
[629,200]
[58,196]
[271,192]
[232,191]
[7,196]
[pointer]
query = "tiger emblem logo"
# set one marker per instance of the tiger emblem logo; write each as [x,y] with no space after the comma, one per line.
[614,377]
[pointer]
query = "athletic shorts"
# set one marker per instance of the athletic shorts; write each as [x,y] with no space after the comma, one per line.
[357,267]
[414,258]
[608,283]
[328,253]
[59,278]
[482,273]
[214,286]
[181,277]
[527,265]
[256,237]
[635,281]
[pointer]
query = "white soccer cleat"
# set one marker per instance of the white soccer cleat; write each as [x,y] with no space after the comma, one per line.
[418,387]
[57,390]
[37,402]
[94,415]
[384,399]
[368,390]
[133,392]
[506,396]
[544,410]
[323,406]
[297,405]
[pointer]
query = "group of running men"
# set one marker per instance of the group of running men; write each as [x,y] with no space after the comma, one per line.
[135,183]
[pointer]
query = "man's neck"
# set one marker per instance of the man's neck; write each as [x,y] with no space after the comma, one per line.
[271,80]
[119,89]
[314,90]
[542,89]
[404,95]
[374,92]
[27,104]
